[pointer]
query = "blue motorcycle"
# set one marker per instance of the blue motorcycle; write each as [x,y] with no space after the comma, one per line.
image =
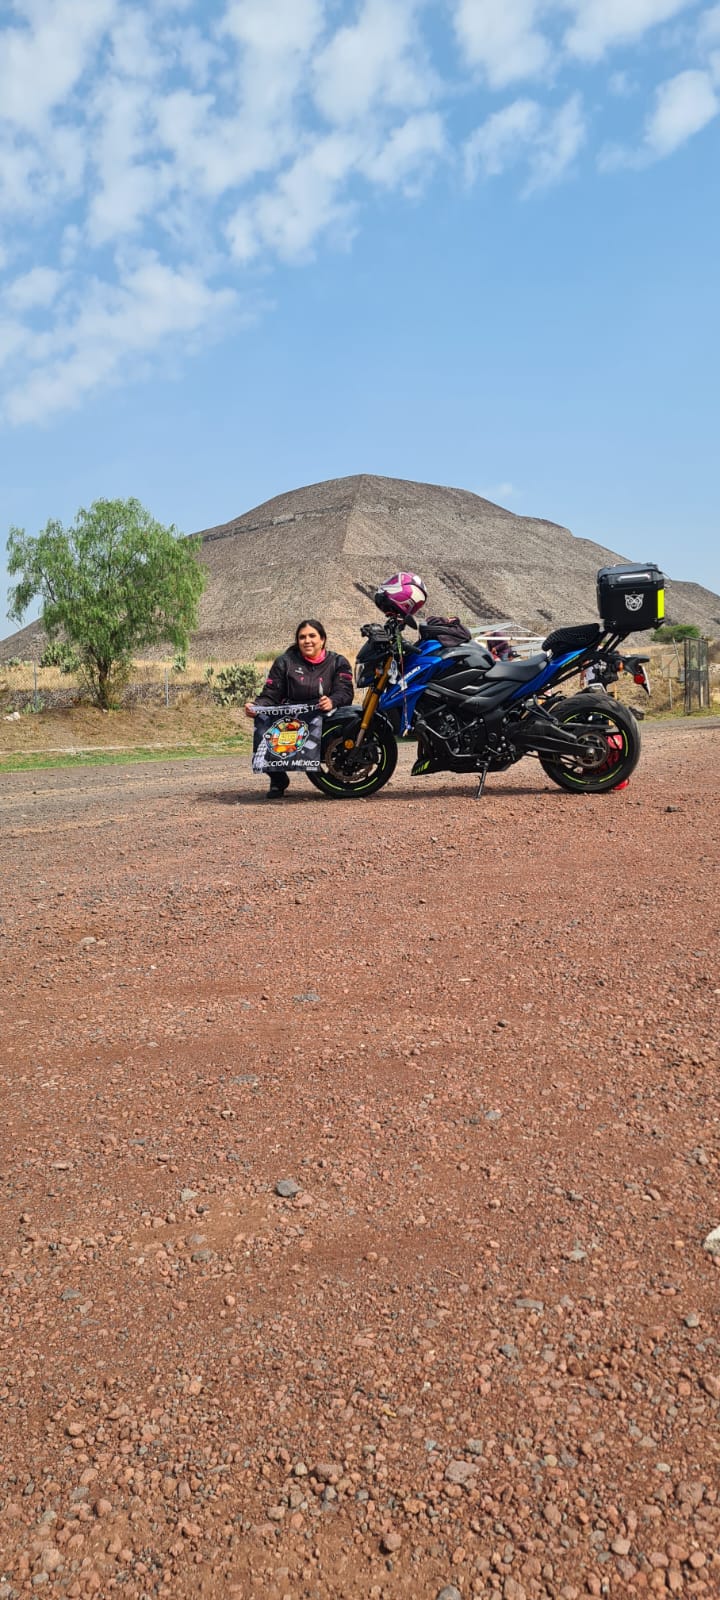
[471,713]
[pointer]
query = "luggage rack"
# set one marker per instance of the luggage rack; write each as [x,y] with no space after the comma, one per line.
[525,644]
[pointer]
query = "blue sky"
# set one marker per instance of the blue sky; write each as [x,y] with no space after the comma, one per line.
[250,244]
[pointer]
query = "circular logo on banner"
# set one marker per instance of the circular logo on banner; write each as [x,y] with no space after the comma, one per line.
[634,602]
[288,737]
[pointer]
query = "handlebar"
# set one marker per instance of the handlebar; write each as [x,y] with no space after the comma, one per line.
[387,630]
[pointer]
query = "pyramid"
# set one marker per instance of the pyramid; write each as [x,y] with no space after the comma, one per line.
[321,552]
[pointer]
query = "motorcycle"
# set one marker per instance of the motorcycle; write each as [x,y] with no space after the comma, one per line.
[470,713]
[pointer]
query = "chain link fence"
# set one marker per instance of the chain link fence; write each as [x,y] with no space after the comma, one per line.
[696,676]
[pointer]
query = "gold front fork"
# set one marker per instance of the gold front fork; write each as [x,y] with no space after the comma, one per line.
[370,705]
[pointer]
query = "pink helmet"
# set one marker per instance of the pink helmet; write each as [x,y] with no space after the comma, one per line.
[402,595]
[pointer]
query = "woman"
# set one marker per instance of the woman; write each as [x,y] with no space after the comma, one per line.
[307,672]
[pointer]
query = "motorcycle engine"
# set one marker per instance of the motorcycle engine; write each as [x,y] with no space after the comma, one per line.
[461,738]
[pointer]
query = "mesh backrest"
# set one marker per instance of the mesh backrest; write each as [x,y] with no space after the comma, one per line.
[582,638]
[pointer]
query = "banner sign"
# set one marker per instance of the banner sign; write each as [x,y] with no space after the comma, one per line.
[287,738]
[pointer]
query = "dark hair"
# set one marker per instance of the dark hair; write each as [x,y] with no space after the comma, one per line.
[309,622]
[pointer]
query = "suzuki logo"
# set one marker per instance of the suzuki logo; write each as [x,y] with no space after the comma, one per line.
[633,602]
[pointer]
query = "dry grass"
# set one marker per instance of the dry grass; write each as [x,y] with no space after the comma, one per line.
[85,727]
[189,719]
[22,677]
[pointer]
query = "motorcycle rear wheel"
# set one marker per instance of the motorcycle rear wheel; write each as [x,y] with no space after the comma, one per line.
[354,774]
[611,745]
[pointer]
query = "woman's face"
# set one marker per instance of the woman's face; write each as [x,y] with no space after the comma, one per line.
[310,642]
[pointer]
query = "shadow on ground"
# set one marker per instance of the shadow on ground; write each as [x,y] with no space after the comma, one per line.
[303,796]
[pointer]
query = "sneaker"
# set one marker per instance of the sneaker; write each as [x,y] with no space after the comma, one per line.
[279,782]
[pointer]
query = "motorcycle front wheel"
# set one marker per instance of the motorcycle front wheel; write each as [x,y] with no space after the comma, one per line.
[353,774]
[609,740]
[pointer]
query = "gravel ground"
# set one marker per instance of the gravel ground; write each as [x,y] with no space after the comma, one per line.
[356,1166]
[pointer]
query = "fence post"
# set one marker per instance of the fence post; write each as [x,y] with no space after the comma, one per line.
[697,675]
[167,686]
[35,693]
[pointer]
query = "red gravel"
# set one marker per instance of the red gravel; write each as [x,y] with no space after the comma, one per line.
[481,1346]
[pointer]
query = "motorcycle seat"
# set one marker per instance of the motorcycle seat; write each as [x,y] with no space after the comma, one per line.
[517,671]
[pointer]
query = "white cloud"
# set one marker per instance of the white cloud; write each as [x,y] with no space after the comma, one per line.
[19,165]
[110,330]
[13,339]
[599,25]
[212,153]
[133,50]
[39,287]
[128,181]
[498,493]
[502,38]
[622,84]
[708,39]
[274,27]
[40,64]
[511,40]
[311,196]
[501,139]
[217,148]
[547,142]
[378,59]
[304,203]
[683,105]
[408,151]
[560,141]
[709,27]
[193,54]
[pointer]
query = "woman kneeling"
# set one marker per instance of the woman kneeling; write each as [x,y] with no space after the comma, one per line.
[307,672]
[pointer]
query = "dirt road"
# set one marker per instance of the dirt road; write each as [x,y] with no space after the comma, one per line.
[474,1342]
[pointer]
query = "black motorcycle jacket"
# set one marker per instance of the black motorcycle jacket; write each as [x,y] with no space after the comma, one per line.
[292,679]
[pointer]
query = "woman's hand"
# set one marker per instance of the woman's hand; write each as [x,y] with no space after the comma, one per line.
[249,708]
[325,703]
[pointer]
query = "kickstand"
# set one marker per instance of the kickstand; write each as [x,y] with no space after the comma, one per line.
[481,783]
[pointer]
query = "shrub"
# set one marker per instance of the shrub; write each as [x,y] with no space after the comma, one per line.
[235,684]
[58,653]
[675,631]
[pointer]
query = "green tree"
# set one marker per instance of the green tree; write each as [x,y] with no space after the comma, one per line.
[114,583]
[675,631]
